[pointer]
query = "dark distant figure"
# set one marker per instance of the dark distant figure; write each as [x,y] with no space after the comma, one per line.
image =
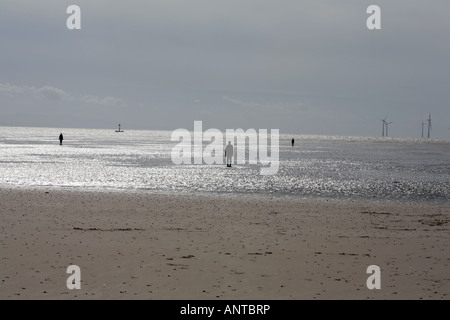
[61,138]
[229,153]
[292,141]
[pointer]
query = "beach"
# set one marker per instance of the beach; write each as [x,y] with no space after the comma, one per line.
[149,245]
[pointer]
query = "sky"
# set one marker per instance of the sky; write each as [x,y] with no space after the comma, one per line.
[303,67]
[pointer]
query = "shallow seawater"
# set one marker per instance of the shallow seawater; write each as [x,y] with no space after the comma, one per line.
[140,160]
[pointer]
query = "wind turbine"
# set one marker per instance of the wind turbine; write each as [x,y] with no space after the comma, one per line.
[423,124]
[387,126]
[429,124]
[384,124]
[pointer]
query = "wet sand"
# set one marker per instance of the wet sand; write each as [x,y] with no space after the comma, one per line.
[155,246]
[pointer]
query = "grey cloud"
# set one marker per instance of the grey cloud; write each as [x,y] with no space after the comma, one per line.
[56,94]
[10,90]
[165,62]
[46,92]
[53,93]
[105,101]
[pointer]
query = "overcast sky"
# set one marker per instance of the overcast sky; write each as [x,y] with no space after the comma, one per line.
[307,67]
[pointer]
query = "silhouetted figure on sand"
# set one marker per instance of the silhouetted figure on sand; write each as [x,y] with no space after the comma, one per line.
[61,138]
[292,141]
[229,153]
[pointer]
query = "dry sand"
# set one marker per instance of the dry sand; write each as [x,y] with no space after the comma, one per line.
[155,246]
